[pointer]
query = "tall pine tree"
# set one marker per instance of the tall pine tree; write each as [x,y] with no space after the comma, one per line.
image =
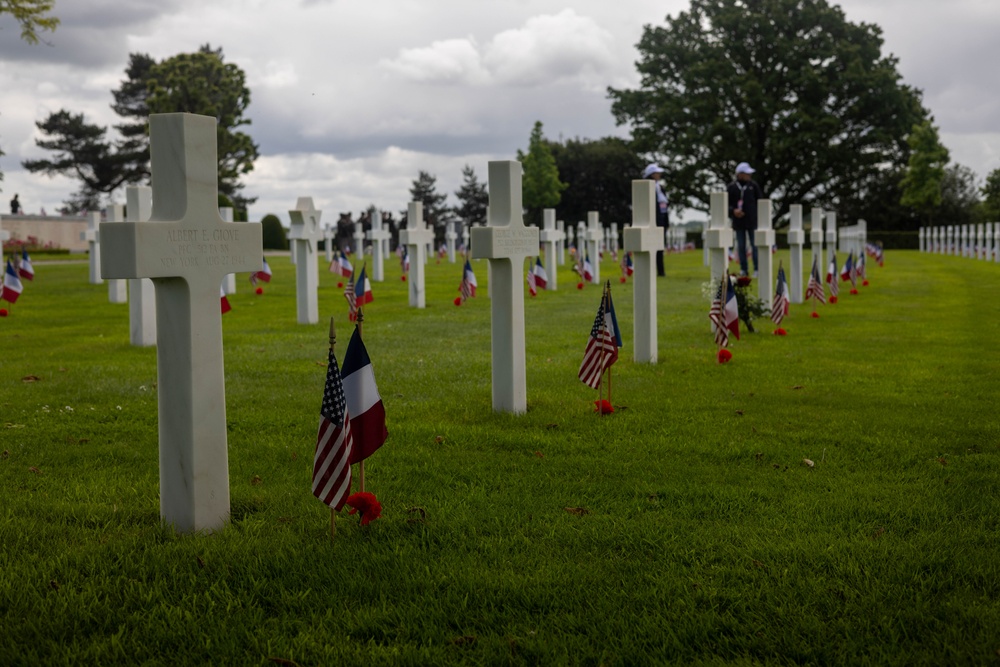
[541,187]
[424,189]
[473,198]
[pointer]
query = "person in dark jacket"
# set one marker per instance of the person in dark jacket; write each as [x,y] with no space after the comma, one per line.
[743,195]
[655,173]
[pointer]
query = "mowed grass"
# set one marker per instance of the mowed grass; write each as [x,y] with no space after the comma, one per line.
[701,536]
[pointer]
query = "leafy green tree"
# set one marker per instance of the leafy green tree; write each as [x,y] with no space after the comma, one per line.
[790,86]
[82,151]
[473,198]
[598,175]
[273,233]
[32,16]
[203,83]
[922,183]
[960,201]
[991,196]
[541,187]
[424,189]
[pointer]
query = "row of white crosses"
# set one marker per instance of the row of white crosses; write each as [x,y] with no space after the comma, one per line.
[980,241]
[719,238]
[853,238]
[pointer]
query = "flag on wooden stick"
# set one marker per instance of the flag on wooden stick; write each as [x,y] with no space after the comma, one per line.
[364,403]
[602,346]
[331,477]
[779,305]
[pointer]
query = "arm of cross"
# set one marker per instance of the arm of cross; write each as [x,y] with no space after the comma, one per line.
[643,235]
[185,236]
[506,236]
[305,223]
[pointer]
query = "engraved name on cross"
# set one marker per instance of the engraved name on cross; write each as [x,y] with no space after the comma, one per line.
[186,248]
[506,242]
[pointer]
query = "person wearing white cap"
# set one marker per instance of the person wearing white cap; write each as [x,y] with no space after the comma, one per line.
[654,172]
[743,195]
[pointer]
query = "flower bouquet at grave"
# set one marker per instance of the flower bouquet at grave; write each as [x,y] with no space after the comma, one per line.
[750,307]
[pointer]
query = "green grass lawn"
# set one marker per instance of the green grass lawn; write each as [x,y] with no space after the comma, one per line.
[702,537]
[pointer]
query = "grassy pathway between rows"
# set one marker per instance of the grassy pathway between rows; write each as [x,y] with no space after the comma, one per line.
[701,536]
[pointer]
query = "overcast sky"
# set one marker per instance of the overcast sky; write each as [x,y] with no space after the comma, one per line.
[350,98]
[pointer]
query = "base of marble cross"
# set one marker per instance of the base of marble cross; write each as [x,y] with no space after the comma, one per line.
[92,238]
[816,242]
[550,238]
[506,242]
[186,249]
[719,236]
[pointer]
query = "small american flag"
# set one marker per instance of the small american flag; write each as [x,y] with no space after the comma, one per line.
[603,344]
[814,290]
[352,302]
[779,306]
[331,478]
[717,317]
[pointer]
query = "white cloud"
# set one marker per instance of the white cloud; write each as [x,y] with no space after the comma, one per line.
[550,49]
[546,50]
[454,61]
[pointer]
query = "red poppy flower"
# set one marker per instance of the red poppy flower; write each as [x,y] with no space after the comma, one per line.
[365,504]
[724,356]
[864,283]
[833,299]
[259,290]
[780,332]
[815,314]
[743,281]
[3,312]
[458,301]
[339,285]
[622,279]
[604,407]
[854,290]
[579,285]
[403,277]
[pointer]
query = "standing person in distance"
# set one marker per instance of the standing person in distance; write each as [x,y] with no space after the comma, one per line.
[743,195]
[15,206]
[654,172]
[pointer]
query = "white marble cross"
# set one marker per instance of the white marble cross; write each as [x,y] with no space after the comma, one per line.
[450,237]
[816,241]
[378,236]
[465,237]
[141,295]
[305,236]
[719,236]
[329,232]
[763,238]
[186,248]
[117,288]
[614,237]
[593,236]
[506,242]
[229,280]
[796,239]
[831,239]
[93,239]
[550,237]
[561,243]
[644,239]
[359,243]
[415,237]
[980,242]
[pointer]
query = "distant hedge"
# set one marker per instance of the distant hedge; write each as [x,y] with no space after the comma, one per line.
[274,233]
